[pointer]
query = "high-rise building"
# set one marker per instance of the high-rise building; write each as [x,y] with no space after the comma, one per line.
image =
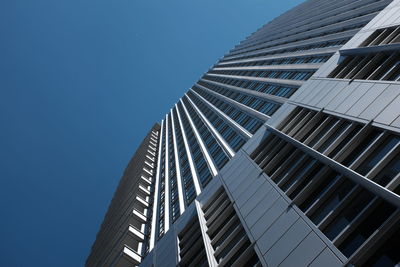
[125,223]
[285,153]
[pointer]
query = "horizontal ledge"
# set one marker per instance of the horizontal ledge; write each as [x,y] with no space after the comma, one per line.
[267,97]
[294,67]
[260,79]
[370,185]
[370,49]
[304,53]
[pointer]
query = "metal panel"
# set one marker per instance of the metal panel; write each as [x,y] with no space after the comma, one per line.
[239,172]
[167,251]
[396,122]
[390,113]
[256,212]
[263,190]
[269,217]
[277,230]
[326,259]
[149,260]
[250,178]
[306,251]
[230,167]
[249,191]
[332,94]
[353,97]
[381,102]
[305,92]
[342,96]
[320,92]
[287,243]
[387,19]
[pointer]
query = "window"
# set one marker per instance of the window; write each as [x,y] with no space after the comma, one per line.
[191,247]
[369,225]
[388,253]
[229,240]
[342,209]
[380,66]
[383,37]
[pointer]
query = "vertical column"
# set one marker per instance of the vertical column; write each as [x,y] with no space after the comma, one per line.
[189,154]
[229,151]
[177,166]
[246,134]
[166,190]
[207,156]
[206,239]
[157,185]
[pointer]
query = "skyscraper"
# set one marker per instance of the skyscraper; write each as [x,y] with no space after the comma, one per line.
[286,152]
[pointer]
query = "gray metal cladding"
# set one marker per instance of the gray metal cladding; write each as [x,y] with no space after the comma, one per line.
[283,151]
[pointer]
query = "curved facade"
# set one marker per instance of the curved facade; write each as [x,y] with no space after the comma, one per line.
[285,153]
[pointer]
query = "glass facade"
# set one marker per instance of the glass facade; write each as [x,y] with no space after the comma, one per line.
[266,161]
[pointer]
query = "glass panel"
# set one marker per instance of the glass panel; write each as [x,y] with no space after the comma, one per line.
[388,254]
[357,151]
[390,171]
[305,166]
[338,195]
[348,214]
[322,132]
[306,180]
[333,136]
[345,141]
[377,155]
[316,194]
[369,225]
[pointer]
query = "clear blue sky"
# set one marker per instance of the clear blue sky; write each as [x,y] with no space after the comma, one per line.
[81,82]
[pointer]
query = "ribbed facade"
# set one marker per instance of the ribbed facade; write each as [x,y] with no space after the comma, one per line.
[285,153]
[123,235]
